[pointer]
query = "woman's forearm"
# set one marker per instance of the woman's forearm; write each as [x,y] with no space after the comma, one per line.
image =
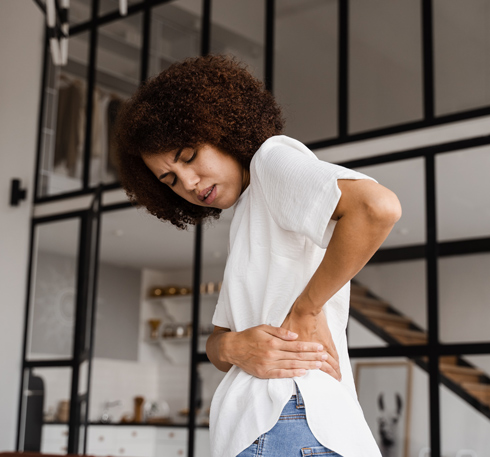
[366,217]
[216,348]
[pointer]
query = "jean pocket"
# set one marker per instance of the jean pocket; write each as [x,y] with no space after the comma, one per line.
[318,450]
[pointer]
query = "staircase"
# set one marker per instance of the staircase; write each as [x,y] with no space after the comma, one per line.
[380,317]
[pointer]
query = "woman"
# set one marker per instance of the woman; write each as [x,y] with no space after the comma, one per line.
[203,136]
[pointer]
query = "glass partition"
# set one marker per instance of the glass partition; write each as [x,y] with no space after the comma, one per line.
[462,194]
[464,295]
[143,320]
[238,29]
[461,47]
[175,33]
[117,77]
[385,64]
[53,290]
[63,121]
[465,405]
[306,67]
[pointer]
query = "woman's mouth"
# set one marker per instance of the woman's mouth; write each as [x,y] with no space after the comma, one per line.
[210,195]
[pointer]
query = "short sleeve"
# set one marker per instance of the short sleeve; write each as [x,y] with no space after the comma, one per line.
[300,190]
[220,318]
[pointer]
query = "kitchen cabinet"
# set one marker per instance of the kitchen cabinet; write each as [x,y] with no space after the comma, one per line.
[131,441]
[54,439]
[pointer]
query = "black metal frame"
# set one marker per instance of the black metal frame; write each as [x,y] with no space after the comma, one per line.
[431,250]
[87,261]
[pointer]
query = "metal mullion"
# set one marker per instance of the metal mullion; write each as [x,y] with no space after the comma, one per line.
[432,304]
[78,193]
[206,28]
[428,59]
[270,13]
[79,336]
[48,363]
[116,207]
[401,128]
[57,217]
[145,45]
[461,349]
[343,70]
[26,330]
[205,48]
[44,79]
[93,305]
[90,94]
[196,281]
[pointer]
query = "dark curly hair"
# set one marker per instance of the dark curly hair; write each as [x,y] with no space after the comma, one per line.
[203,100]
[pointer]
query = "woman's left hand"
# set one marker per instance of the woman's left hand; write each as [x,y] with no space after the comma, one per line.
[313,328]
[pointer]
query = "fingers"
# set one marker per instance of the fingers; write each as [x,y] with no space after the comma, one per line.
[332,368]
[280,332]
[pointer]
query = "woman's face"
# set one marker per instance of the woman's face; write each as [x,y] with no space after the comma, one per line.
[204,175]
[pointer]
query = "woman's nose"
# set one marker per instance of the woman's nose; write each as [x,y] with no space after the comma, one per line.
[190,180]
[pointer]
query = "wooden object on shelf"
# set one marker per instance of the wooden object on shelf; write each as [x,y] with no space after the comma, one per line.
[138,409]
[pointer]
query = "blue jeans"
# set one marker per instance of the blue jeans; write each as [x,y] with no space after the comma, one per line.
[290,437]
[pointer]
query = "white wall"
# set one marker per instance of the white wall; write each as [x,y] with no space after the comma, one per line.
[21,35]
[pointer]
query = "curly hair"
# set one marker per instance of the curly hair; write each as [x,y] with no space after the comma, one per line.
[203,100]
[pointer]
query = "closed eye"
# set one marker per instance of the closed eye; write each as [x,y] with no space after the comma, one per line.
[193,157]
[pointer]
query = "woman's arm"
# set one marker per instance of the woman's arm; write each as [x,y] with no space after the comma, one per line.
[365,215]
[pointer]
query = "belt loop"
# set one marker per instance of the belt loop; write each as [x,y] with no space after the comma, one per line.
[299,397]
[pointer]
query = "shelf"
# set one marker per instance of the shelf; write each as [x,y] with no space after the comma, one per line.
[185,299]
[177,350]
[180,340]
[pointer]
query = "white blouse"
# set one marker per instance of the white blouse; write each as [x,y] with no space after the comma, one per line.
[280,229]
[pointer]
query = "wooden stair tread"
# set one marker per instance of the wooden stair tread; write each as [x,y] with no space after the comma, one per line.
[369,300]
[357,289]
[476,387]
[406,332]
[460,369]
[384,315]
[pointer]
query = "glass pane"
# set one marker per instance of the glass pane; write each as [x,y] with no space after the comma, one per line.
[464,295]
[237,29]
[465,405]
[141,354]
[394,397]
[63,133]
[305,67]
[462,194]
[391,307]
[117,77]
[53,290]
[80,11]
[175,33]
[46,410]
[385,64]
[461,48]
[110,6]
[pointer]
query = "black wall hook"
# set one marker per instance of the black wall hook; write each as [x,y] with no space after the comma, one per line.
[16,193]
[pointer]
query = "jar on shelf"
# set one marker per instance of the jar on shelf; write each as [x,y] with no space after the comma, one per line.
[168,331]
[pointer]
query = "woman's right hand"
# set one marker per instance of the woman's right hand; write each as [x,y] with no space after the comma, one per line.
[264,351]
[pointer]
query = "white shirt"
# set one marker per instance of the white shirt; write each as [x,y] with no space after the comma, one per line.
[278,236]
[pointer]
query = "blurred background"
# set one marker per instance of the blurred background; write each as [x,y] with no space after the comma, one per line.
[106,310]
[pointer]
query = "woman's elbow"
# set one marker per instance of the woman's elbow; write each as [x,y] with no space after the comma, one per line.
[385,209]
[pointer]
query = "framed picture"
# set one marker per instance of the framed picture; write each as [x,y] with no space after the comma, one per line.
[384,391]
